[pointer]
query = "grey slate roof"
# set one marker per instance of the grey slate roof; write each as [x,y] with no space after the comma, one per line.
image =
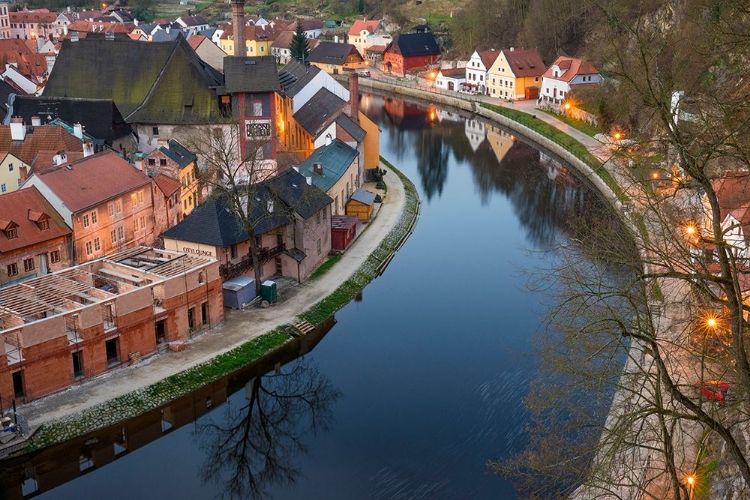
[178,153]
[100,117]
[331,53]
[251,74]
[151,83]
[354,130]
[363,196]
[416,44]
[165,36]
[319,111]
[335,158]
[212,223]
[295,75]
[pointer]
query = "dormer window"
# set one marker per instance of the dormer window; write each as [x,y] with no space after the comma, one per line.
[11,233]
[43,224]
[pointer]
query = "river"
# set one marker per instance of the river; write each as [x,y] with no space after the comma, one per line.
[422,378]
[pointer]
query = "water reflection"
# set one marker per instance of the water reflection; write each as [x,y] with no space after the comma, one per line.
[545,195]
[258,445]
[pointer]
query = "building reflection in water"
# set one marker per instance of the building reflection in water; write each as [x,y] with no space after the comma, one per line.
[278,404]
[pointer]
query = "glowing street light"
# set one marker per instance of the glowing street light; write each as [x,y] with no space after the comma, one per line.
[690,480]
[711,322]
[655,175]
[617,136]
[567,106]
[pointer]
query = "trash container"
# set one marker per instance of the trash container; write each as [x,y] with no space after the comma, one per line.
[268,291]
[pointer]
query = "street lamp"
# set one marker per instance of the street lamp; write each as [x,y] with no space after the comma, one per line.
[617,136]
[690,482]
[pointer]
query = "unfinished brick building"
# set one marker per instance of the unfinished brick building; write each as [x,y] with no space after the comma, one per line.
[82,321]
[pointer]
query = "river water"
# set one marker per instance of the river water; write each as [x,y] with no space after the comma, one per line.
[420,381]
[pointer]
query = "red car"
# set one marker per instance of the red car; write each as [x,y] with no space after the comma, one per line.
[714,390]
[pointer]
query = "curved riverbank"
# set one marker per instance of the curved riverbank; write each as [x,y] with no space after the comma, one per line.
[245,337]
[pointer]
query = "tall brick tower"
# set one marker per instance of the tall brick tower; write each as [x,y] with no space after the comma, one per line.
[238,27]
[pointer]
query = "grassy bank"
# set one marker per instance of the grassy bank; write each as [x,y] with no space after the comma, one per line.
[367,271]
[162,392]
[564,140]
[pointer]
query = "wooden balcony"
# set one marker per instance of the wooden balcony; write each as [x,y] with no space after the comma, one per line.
[228,271]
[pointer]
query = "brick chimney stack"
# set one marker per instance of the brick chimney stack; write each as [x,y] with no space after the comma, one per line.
[354,97]
[238,27]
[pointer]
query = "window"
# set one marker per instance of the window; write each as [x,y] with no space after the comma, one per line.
[93,217]
[113,236]
[257,108]
[10,167]
[162,162]
[151,162]
[19,182]
[111,209]
[133,200]
[89,248]
[44,224]
[12,269]
[118,206]
[28,265]
[11,233]
[78,364]
[140,196]
[54,256]
[233,251]
[317,218]
[136,228]
[155,131]
[3,188]
[319,247]
[97,244]
[120,233]
[86,220]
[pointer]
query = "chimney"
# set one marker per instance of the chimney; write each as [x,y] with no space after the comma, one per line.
[17,129]
[309,180]
[24,173]
[269,206]
[65,29]
[78,130]
[511,49]
[354,97]
[88,148]
[167,29]
[336,39]
[59,158]
[238,27]
[318,168]
[74,36]
[36,121]
[139,165]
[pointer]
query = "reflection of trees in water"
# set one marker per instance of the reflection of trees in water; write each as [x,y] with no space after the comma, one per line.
[254,447]
[432,161]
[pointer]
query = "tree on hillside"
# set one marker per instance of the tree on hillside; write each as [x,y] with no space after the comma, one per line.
[299,47]
[676,317]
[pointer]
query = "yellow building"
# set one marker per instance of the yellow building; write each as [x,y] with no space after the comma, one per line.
[516,74]
[258,40]
[372,141]
[12,172]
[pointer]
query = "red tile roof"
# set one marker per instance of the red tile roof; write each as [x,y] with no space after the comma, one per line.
[488,57]
[18,207]
[167,185]
[733,192]
[196,40]
[93,180]
[98,27]
[572,68]
[43,159]
[32,16]
[524,62]
[28,62]
[360,25]
[40,138]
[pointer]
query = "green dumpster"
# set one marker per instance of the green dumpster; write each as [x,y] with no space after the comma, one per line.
[268,291]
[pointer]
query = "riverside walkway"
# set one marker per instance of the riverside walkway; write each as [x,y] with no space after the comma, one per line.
[238,328]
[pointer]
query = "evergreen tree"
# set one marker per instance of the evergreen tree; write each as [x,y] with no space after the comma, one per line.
[298,47]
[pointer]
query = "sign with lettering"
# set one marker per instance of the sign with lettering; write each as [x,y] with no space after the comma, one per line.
[196,251]
[258,129]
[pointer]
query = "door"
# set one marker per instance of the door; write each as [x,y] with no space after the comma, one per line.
[43,269]
[18,391]
[161,332]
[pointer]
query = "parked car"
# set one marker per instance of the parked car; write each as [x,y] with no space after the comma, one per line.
[364,73]
[713,390]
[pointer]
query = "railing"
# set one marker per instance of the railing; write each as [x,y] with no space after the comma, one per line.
[227,271]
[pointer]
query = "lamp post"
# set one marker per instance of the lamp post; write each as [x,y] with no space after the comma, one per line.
[690,482]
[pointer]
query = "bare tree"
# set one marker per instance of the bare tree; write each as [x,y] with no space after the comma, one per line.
[675,316]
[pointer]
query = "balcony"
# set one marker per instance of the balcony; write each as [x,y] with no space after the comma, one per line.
[228,271]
